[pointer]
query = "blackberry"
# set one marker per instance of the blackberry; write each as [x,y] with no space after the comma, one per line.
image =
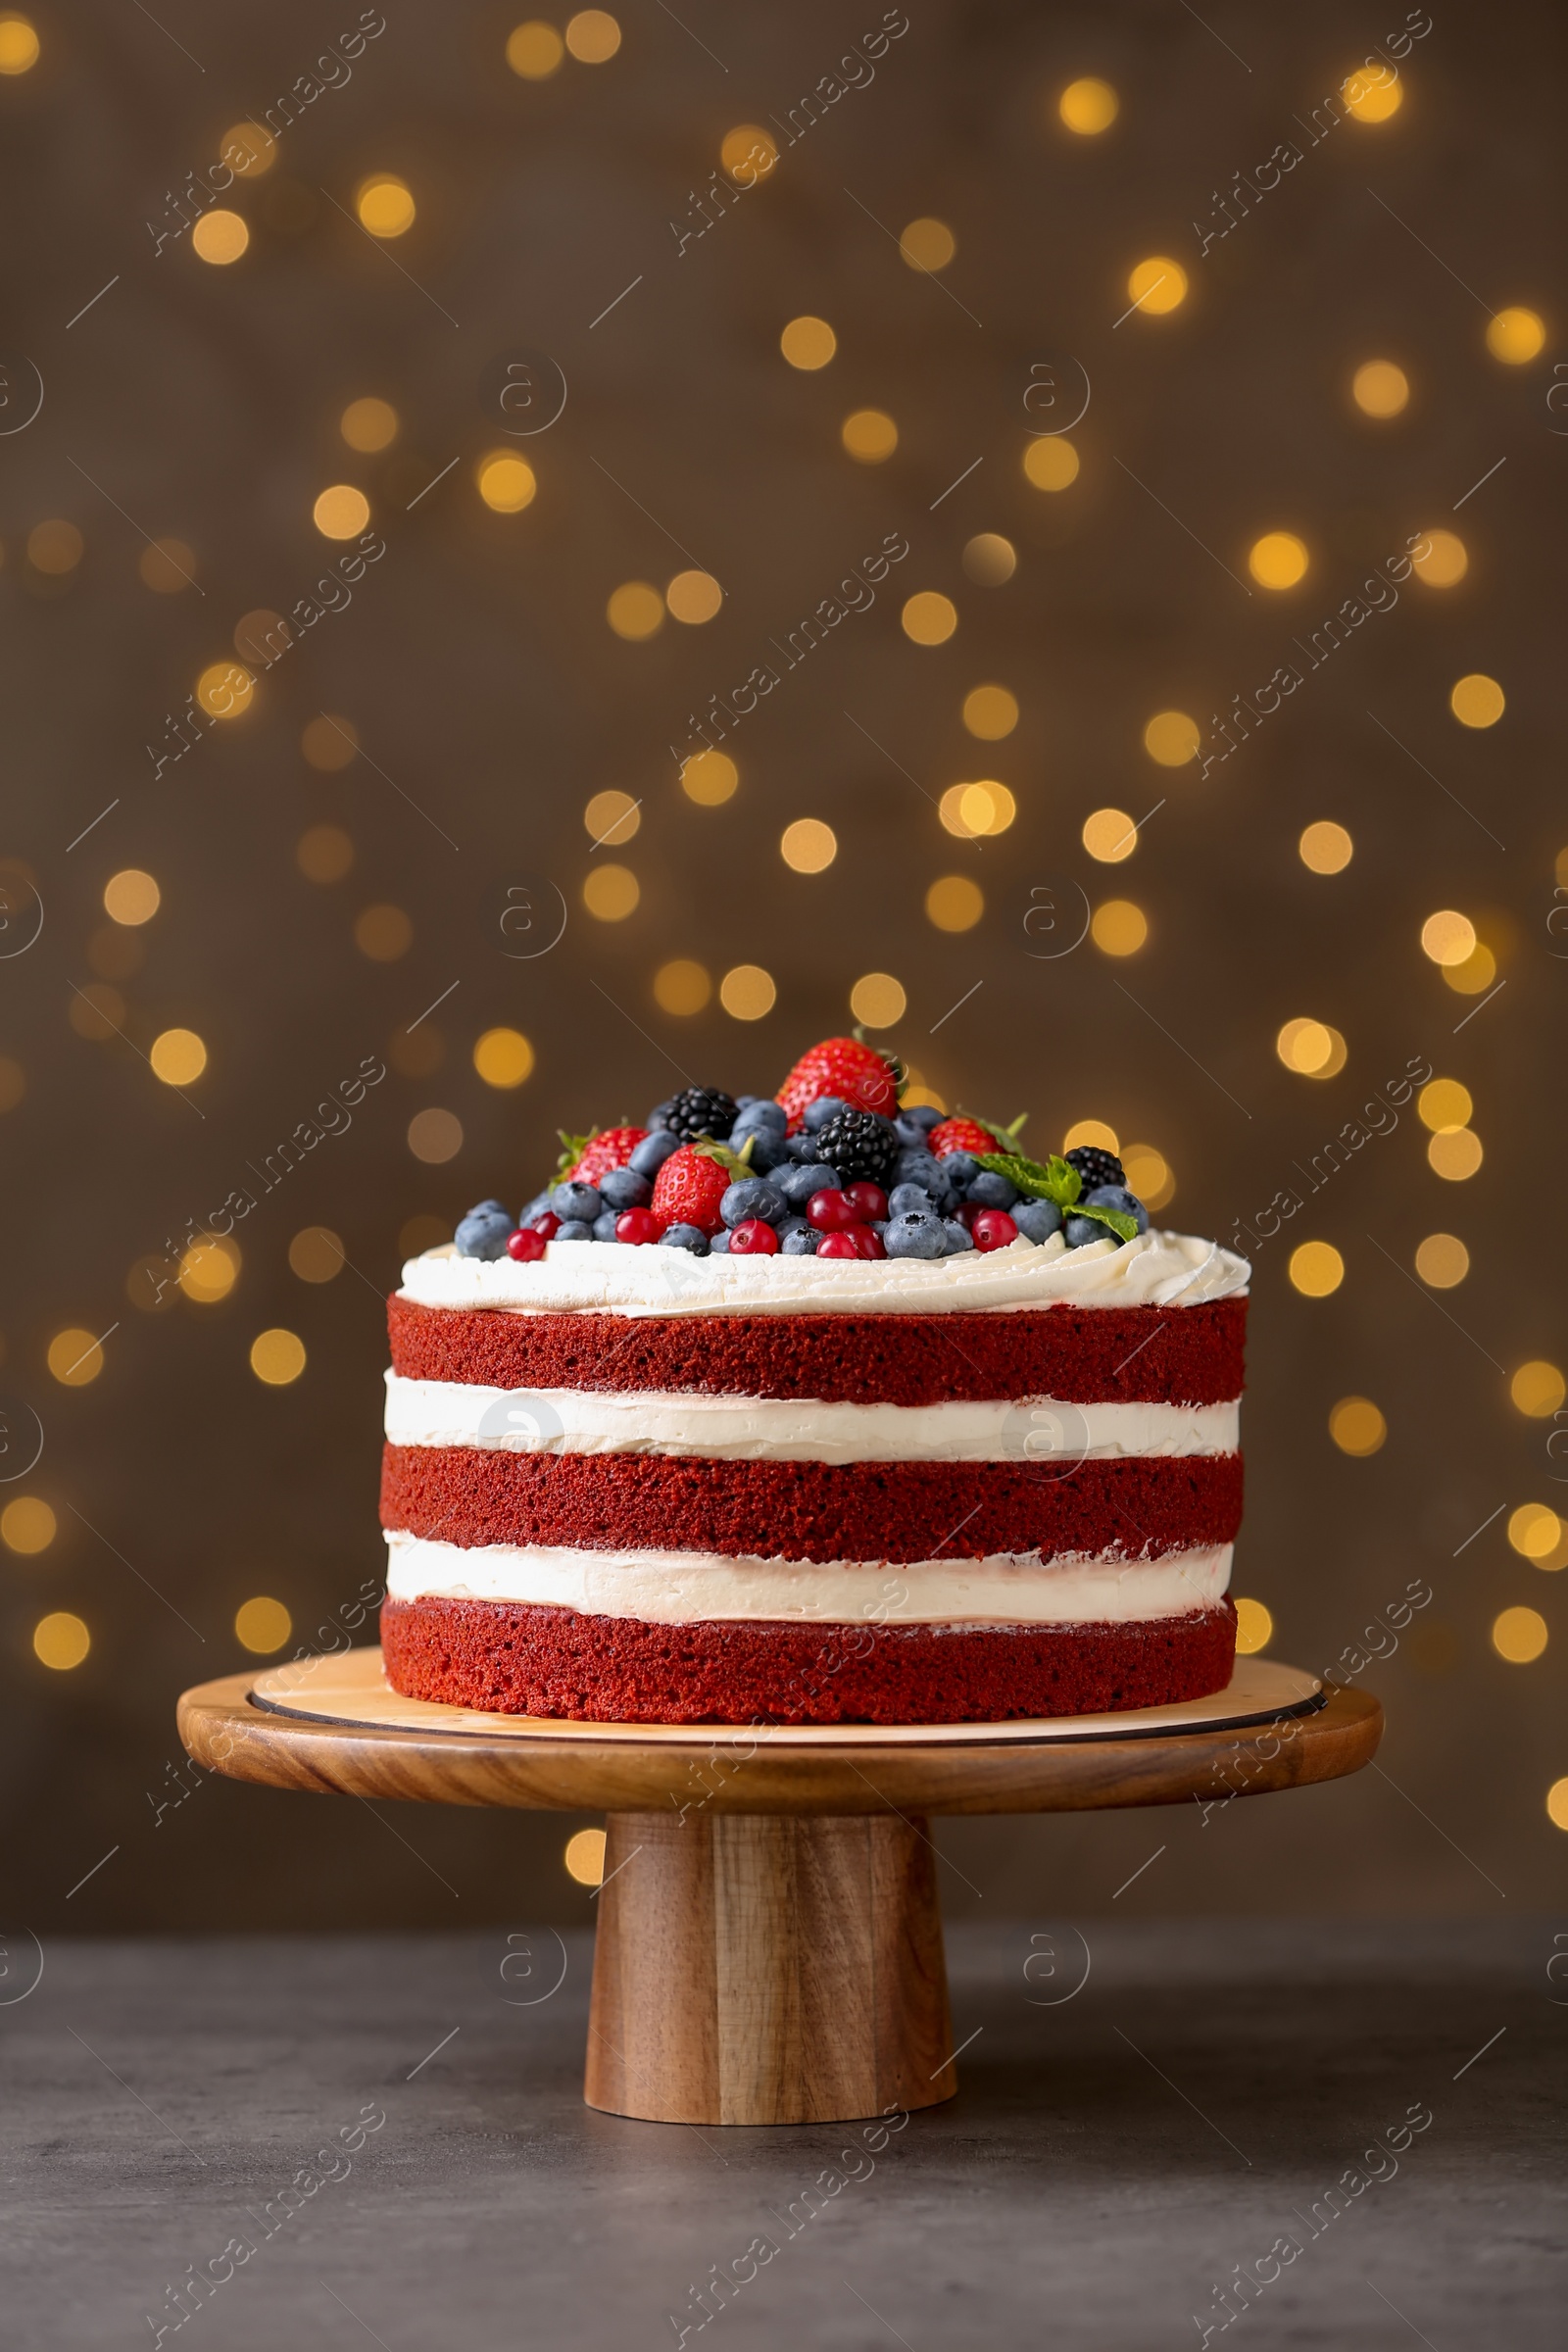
[1096,1167]
[699,1110]
[860,1145]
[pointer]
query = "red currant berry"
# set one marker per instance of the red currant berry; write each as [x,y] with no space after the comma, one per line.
[525,1245]
[549,1224]
[753,1238]
[638,1225]
[993,1229]
[871,1201]
[866,1243]
[831,1212]
[966,1213]
[836,1245]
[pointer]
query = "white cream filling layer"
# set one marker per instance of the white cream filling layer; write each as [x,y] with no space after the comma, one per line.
[1158,1269]
[722,1427]
[684,1588]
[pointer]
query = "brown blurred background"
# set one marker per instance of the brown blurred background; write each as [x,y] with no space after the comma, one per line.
[392,806]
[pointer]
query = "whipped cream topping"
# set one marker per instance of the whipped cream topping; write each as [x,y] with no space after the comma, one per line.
[685,1587]
[1158,1269]
[1034,1431]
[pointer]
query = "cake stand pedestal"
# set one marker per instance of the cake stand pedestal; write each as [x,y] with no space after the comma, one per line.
[769,1941]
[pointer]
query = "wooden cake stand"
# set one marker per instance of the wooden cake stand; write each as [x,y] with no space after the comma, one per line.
[770,1942]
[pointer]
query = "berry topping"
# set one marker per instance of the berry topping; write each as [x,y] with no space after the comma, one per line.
[837,1245]
[752,1239]
[546,1225]
[855,1073]
[525,1245]
[830,1211]
[1037,1220]
[685,1237]
[960,1134]
[639,1225]
[915,1233]
[992,1229]
[587,1158]
[750,1198]
[870,1202]
[1096,1167]
[624,1188]
[652,1151]
[859,1145]
[483,1232]
[866,1243]
[699,1110]
[576,1201]
[689,1188]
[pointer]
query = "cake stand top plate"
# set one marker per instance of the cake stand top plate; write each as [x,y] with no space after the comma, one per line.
[333,1725]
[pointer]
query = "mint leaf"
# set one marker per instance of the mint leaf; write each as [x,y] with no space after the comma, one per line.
[1056,1179]
[1116,1218]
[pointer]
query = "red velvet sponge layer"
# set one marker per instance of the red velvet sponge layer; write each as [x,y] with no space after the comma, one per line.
[1084,1355]
[512,1658]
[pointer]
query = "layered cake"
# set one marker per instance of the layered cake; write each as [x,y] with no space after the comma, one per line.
[815,1408]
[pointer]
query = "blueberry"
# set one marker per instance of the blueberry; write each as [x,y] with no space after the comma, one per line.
[962,1169]
[719,1244]
[685,1237]
[915,1233]
[765,1150]
[605,1225]
[990,1191]
[910,1197]
[483,1232]
[624,1188]
[925,1170]
[657,1115]
[488,1209]
[1117,1195]
[802,1148]
[576,1203]
[825,1107]
[913,1126]
[574,1229]
[958,1237]
[760,1111]
[801,1182]
[743,1101]
[535,1207]
[799,1241]
[1081,1230]
[752,1197]
[1037,1220]
[652,1152]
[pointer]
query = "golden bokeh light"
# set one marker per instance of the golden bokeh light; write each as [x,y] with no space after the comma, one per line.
[877,1000]
[1448,936]
[1087,106]
[990,558]
[383,933]
[368,424]
[179,1056]
[76,1358]
[807,845]
[18,43]
[1515,336]
[1445,562]
[1442,1260]
[973,810]
[507,482]
[584,1857]
[209,1270]
[1254,1627]
[682,986]
[1442,1104]
[870,435]
[317,1254]
[1109,835]
[748,993]
[593,36]
[1535,1531]
[341,512]
[748,153]
[502,1057]
[990,712]
[27,1526]
[808,342]
[955,904]
[131,897]
[277,1357]
[1050,463]
[929,617]
[1117,927]
[435,1137]
[709,778]
[61,1640]
[928,244]
[329,741]
[1316,1269]
[635,611]
[1311,1048]
[534,50]
[1379,388]
[1148,1174]
[1358,1427]
[1094,1135]
[1456,1156]
[694,596]
[1171,737]
[248,149]
[611,893]
[1475,974]
[610,818]
[1157,286]
[220,237]
[262,1625]
[166,565]
[323,853]
[1557,1804]
[1325,848]
[1476,700]
[1372,94]
[1537,1389]
[54,547]
[1278,560]
[1519,1636]
[384,204]
[226,689]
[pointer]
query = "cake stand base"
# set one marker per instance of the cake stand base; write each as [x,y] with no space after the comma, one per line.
[767,1969]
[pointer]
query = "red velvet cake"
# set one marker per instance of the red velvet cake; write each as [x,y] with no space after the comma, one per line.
[813,1410]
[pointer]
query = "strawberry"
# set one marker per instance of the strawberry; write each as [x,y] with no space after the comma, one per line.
[960,1133]
[691,1183]
[847,1067]
[587,1158]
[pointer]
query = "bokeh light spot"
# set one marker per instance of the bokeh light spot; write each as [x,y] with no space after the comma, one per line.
[1442,1260]
[1087,106]
[1537,1389]
[593,36]
[1519,1635]
[18,44]
[1456,1155]
[870,435]
[709,778]
[1379,388]
[1171,737]
[1357,1426]
[681,986]
[807,845]
[990,712]
[76,1358]
[1050,463]
[341,512]
[209,1270]
[1448,936]
[990,558]
[748,153]
[1278,560]
[277,1357]
[316,1253]
[1476,700]
[1254,1627]
[1312,1049]
[262,1625]
[1445,562]
[1109,835]
[435,1137]
[748,993]
[954,902]
[61,1640]
[385,205]
[179,1056]
[584,1857]
[131,897]
[610,818]
[1148,1174]
[368,424]
[329,741]
[1326,848]
[1117,927]
[929,617]
[28,1525]
[534,50]
[220,237]
[1316,1269]
[808,342]
[54,548]
[694,596]
[1442,1104]
[1372,94]
[166,565]
[1535,1531]
[1515,336]
[506,484]
[972,810]
[502,1057]
[928,244]
[383,933]
[611,893]
[877,1000]
[1157,286]
[635,611]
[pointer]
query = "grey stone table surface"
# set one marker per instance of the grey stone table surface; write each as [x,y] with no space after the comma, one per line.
[1356,2128]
